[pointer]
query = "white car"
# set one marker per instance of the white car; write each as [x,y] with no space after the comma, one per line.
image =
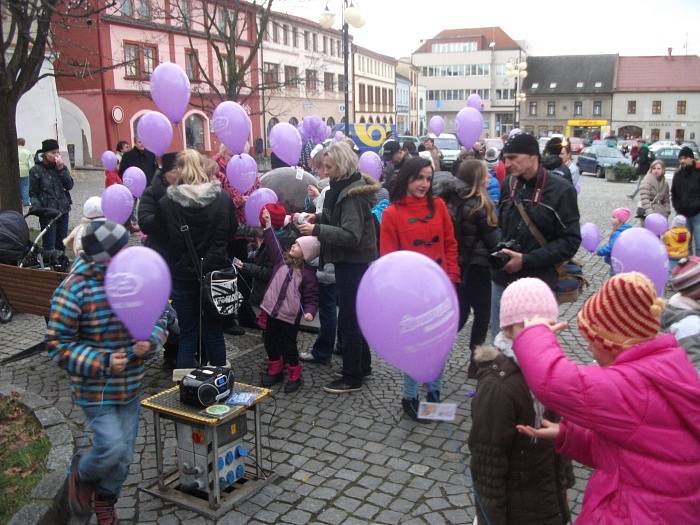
[661,144]
[449,146]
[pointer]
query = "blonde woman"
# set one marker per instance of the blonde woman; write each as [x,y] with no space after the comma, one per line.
[654,192]
[207,211]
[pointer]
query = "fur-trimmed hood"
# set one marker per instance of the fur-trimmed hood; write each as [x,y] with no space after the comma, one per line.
[486,353]
[365,187]
[194,195]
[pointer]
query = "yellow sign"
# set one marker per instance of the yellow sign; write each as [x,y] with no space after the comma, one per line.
[586,123]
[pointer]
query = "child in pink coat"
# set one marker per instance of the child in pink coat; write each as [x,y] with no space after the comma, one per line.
[635,418]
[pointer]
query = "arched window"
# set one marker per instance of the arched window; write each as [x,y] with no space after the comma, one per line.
[294,122]
[342,120]
[371,120]
[194,132]
[362,120]
[271,124]
[391,120]
[379,120]
[384,120]
[330,121]
[134,123]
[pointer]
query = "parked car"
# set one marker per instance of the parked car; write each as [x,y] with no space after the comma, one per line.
[595,159]
[495,143]
[411,138]
[577,145]
[449,146]
[669,155]
[661,144]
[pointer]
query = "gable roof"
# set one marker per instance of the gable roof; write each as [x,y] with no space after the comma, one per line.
[567,71]
[658,73]
[482,35]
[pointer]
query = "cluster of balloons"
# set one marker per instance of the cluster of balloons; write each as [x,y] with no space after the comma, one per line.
[313,128]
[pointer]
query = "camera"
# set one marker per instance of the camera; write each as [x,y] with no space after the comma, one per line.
[499,258]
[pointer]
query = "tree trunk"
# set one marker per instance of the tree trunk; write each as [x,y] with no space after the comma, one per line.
[10,198]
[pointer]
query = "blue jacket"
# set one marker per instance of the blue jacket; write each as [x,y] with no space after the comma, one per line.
[606,250]
[494,189]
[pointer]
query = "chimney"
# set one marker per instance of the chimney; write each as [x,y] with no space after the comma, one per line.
[670,51]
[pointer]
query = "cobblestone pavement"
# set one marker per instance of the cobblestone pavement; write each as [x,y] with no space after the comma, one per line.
[347,459]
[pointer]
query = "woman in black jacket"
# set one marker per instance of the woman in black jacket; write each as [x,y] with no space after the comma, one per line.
[477,234]
[148,204]
[209,214]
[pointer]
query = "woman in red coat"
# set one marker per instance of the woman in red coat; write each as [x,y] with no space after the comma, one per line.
[419,222]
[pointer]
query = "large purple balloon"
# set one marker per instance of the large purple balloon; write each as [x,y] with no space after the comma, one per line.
[170,89]
[656,223]
[468,125]
[285,142]
[155,131]
[241,172]
[474,101]
[590,236]
[255,203]
[437,125]
[639,250]
[412,327]
[135,179]
[339,135]
[371,164]
[137,285]
[117,203]
[232,125]
[109,160]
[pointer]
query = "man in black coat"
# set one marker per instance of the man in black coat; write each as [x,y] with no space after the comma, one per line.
[552,161]
[140,157]
[550,203]
[685,193]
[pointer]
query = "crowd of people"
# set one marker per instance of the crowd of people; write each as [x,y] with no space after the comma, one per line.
[501,227]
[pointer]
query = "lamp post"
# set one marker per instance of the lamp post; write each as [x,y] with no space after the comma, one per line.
[351,15]
[517,70]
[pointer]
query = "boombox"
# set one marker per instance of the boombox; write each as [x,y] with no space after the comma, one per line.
[206,386]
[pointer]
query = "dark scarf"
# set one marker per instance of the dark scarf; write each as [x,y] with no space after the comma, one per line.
[336,186]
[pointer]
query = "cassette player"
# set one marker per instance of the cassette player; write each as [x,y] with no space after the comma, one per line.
[206,386]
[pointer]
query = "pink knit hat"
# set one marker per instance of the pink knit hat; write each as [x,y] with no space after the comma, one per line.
[525,299]
[622,214]
[310,247]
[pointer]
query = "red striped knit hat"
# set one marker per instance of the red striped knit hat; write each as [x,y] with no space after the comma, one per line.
[685,277]
[623,313]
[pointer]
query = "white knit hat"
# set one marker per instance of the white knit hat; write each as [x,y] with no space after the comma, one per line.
[92,209]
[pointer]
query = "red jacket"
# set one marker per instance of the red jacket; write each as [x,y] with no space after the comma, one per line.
[437,233]
[112,177]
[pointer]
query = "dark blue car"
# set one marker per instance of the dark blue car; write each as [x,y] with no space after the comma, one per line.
[594,159]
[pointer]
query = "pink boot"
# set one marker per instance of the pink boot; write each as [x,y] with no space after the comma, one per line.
[294,380]
[274,373]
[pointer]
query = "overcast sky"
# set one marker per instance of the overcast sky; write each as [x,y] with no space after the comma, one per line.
[641,27]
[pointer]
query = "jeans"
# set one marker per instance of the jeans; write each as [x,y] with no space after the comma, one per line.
[114,430]
[411,387]
[53,238]
[475,294]
[186,304]
[496,294]
[327,316]
[357,360]
[694,227]
[24,190]
[280,340]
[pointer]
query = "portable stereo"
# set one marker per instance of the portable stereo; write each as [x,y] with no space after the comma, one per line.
[206,386]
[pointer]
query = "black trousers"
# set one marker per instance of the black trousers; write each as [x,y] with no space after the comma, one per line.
[281,341]
[475,294]
[357,360]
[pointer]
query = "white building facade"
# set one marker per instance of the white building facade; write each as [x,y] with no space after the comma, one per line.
[422,122]
[403,105]
[374,77]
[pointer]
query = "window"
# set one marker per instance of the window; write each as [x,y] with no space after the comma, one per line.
[291,76]
[126,7]
[294,121]
[285,35]
[370,95]
[668,135]
[271,74]
[535,85]
[579,84]
[310,80]
[328,81]
[598,84]
[148,63]
[295,37]
[377,95]
[500,70]
[325,44]
[341,83]
[306,40]
[314,38]
[141,60]
[183,12]
[384,96]
[191,65]
[391,100]
[332,47]
[194,132]
[131,58]
[551,106]
[631,107]
[655,133]
[578,108]
[143,8]
[533,109]
[597,108]
[361,87]
[330,121]
[656,107]
[275,32]
[552,85]
[680,135]
[680,108]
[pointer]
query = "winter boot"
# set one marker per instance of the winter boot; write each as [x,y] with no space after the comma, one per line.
[104,510]
[433,396]
[274,375]
[294,380]
[410,408]
[79,492]
[472,370]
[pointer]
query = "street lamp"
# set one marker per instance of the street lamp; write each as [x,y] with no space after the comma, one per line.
[517,70]
[350,15]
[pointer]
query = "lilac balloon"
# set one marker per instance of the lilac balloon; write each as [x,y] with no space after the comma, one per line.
[241,172]
[135,179]
[437,125]
[328,132]
[474,101]
[109,160]
[639,250]
[371,164]
[232,125]
[255,203]
[155,131]
[137,285]
[170,90]
[469,125]
[412,327]
[117,203]
[339,135]
[590,236]
[302,131]
[656,223]
[285,142]
[578,187]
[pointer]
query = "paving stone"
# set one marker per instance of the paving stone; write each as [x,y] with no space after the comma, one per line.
[418,470]
[388,516]
[437,503]
[297,517]
[366,511]
[48,417]
[333,516]
[347,504]
[311,505]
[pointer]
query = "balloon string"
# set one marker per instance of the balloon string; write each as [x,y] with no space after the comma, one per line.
[289,266]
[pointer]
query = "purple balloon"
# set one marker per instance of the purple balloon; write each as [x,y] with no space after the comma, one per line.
[241,172]
[117,203]
[109,160]
[339,135]
[468,125]
[371,164]
[328,132]
[302,131]
[474,101]
[285,142]
[137,285]
[412,327]
[639,250]
[437,125]
[578,187]
[590,236]
[656,223]
[155,131]
[170,90]
[232,125]
[135,179]
[255,203]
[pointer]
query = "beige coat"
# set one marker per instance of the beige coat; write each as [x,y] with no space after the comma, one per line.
[655,196]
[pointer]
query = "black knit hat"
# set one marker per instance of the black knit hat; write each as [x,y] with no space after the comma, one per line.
[553,146]
[522,143]
[391,146]
[686,152]
[102,239]
[49,145]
